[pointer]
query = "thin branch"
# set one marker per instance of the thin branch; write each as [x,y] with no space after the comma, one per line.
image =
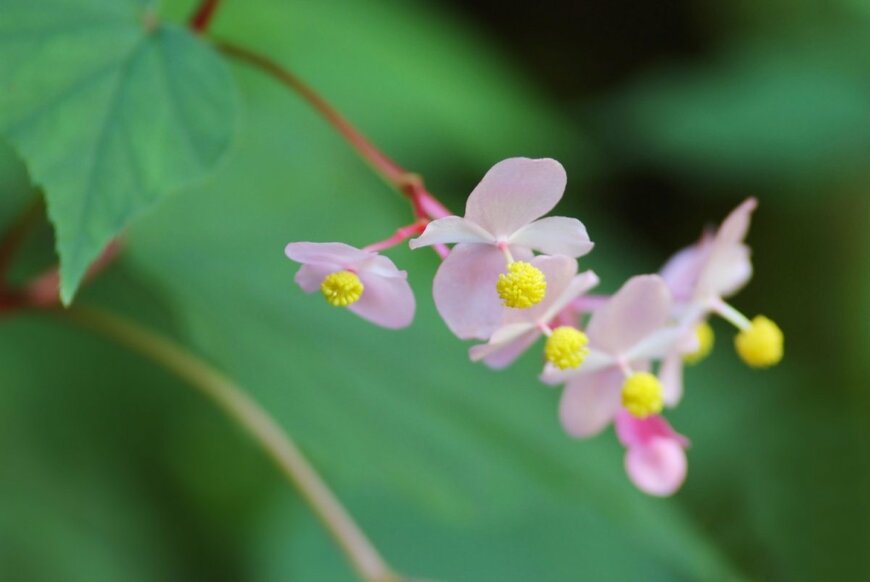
[265,431]
[411,185]
[203,14]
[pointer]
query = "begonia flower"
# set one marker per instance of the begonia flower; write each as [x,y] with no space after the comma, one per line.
[701,277]
[498,235]
[655,456]
[521,328]
[367,283]
[624,335]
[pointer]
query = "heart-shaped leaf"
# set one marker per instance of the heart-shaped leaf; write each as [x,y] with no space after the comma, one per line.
[111,110]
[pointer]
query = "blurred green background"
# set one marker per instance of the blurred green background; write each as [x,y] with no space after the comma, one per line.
[665,114]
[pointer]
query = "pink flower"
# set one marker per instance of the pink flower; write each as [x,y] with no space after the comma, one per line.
[520,328]
[367,283]
[502,219]
[624,335]
[655,459]
[699,277]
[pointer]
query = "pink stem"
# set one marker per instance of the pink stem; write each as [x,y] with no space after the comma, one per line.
[401,235]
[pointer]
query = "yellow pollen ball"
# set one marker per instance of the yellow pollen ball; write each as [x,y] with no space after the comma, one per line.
[566,347]
[342,288]
[706,338]
[642,395]
[522,286]
[760,345]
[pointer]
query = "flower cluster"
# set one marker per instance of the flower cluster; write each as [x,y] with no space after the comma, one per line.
[511,276]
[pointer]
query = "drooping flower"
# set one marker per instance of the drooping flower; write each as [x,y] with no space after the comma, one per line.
[489,267]
[367,283]
[655,456]
[624,335]
[700,277]
[566,346]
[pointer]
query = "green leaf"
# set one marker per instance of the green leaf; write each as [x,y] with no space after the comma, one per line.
[401,415]
[111,111]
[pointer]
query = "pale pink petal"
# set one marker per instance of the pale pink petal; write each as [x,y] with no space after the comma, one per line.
[671,377]
[729,266]
[589,402]
[388,302]
[514,193]
[736,225]
[594,362]
[310,276]
[633,431]
[575,288]
[334,253]
[657,344]
[731,270]
[639,308]
[554,235]
[503,351]
[450,230]
[657,468]
[464,290]
[682,270]
[503,336]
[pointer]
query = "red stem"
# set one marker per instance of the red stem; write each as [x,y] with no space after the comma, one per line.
[402,234]
[201,18]
[425,205]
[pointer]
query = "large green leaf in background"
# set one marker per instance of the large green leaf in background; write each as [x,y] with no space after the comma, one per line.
[111,112]
[396,420]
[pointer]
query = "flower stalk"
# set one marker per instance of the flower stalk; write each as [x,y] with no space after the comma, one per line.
[424,204]
[247,413]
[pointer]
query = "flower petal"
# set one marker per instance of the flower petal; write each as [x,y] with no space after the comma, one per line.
[450,230]
[575,288]
[589,402]
[729,266]
[736,225]
[386,301]
[465,293]
[310,276]
[671,377]
[632,431]
[554,235]
[659,344]
[506,345]
[682,270]
[639,308]
[334,253]
[731,270]
[515,192]
[594,362]
[657,468]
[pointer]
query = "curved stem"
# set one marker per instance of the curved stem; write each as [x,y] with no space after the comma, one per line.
[411,185]
[276,443]
[203,14]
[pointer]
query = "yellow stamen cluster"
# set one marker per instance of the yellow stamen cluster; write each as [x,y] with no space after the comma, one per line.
[760,345]
[642,395]
[706,338]
[566,347]
[522,286]
[342,288]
